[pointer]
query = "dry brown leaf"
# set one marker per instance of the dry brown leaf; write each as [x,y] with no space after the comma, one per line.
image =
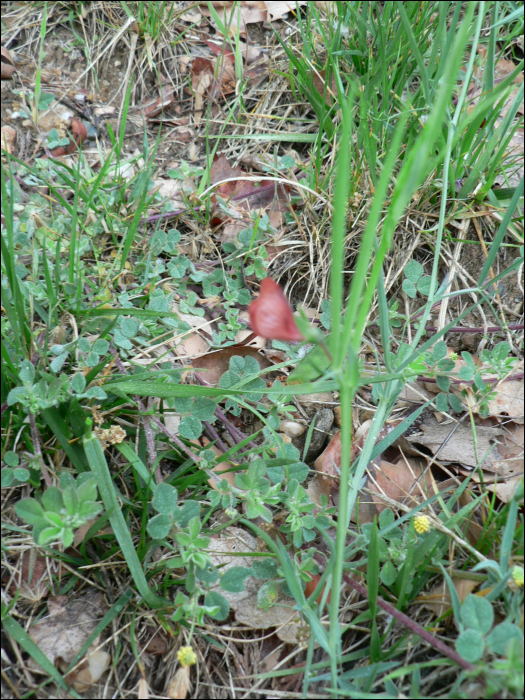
[438,599]
[508,401]
[265,195]
[507,472]
[213,365]
[7,139]
[319,83]
[62,634]
[458,446]
[180,684]
[154,641]
[290,627]
[7,66]
[402,482]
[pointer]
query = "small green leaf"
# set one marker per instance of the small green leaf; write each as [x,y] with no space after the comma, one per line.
[232,580]
[442,403]
[423,286]
[48,535]
[388,573]
[466,373]
[159,526]
[229,379]
[477,614]
[27,372]
[21,474]
[190,428]
[409,288]
[78,383]
[93,358]
[439,351]
[443,382]
[190,509]
[96,392]
[101,346]
[57,364]
[203,408]
[470,645]
[52,499]
[165,498]
[215,599]
[413,271]
[386,517]
[455,403]
[265,568]
[71,500]
[11,459]
[501,351]
[500,636]
[182,404]
[129,327]
[208,575]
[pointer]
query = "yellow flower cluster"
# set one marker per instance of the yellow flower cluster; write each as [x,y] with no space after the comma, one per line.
[186,656]
[421,524]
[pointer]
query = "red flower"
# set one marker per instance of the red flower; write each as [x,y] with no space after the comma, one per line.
[271,316]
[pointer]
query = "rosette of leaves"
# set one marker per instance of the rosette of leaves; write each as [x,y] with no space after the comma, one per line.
[62,509]
[35,396]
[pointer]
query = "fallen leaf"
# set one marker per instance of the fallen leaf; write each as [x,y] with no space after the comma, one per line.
[507,472]
[319,83]
[452,442]
[438,599]
[508,401]
[180,684]
[401,482]
[214,364]
[7,66]
[62,634]
[249,196]
[225,554]
[7,139]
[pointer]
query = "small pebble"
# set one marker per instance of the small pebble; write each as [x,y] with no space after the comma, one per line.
[291,428]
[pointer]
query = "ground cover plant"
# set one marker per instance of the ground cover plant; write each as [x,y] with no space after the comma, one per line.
[262,349]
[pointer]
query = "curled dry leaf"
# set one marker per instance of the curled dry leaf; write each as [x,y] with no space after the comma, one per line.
[180,684]
[265,195]
[507,472]
[7,139]
[7,66]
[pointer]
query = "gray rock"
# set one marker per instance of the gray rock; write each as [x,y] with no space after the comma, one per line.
[323,423]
